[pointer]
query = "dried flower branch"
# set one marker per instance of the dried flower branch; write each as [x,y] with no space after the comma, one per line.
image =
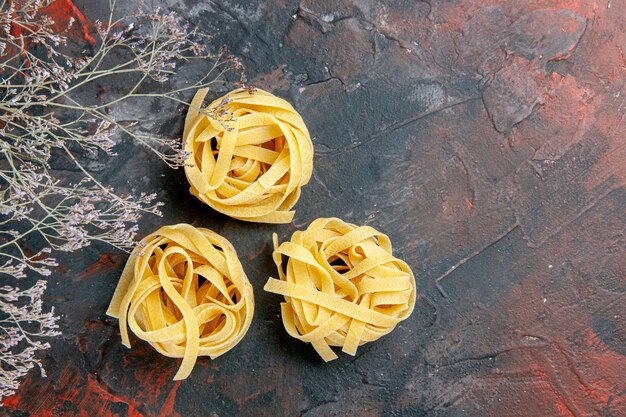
[22,324]
[47,112]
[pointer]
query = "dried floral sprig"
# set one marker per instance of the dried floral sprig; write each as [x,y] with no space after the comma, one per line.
[23,324]
[47,112]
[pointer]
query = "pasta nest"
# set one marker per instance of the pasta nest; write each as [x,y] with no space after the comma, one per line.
[249,153]
[184,291]
[342,286]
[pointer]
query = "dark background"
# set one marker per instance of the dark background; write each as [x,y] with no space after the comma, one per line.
[485,138]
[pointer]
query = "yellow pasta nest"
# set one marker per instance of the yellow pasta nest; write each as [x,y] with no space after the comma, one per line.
[249,154]
[342,286]
[184,291]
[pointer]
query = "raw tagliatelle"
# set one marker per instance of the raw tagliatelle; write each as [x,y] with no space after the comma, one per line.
[342,286]
[184,291]
[249,154]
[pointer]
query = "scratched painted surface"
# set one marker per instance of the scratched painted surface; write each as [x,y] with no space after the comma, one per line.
[486,138]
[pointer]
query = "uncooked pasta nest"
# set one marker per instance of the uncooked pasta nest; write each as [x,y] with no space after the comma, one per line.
[184,291]
[342,286]
[249,153]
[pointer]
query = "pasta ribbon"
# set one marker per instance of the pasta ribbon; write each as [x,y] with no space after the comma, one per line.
[184,291]
[249,154]
[342,286]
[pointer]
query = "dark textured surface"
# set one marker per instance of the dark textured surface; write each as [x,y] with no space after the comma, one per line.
[486,138]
